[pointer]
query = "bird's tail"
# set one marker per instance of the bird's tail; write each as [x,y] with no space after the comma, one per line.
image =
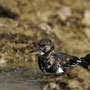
[85,61]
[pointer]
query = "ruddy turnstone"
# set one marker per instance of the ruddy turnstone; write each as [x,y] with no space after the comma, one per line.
[51,61]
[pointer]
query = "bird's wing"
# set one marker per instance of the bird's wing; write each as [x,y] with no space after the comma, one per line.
[67,60]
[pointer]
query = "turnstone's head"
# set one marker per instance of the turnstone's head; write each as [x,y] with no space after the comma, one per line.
[45,45]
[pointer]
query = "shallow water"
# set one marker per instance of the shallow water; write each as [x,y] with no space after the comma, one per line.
[23,78]
[20,85]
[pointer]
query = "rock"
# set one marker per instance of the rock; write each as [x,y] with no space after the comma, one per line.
[87,32]
[76,79]
[9,8]
[86,19]
[3,62]
[64,13]
[44,26]
[51,86]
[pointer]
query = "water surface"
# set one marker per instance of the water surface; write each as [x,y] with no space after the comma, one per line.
[23,78]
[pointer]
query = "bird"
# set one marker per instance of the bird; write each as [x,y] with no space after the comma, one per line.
[52,61]
[85,61]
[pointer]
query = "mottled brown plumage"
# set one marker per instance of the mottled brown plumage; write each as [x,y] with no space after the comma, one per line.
[51,61]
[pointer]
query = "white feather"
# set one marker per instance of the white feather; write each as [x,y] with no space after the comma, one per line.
[59,70]
[42,53]
[78,61]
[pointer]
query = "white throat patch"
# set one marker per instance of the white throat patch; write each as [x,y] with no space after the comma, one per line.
[42,53]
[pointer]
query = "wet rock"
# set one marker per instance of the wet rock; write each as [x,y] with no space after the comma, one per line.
[77,78]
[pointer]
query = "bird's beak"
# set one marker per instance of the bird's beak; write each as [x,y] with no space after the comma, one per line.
[34,50]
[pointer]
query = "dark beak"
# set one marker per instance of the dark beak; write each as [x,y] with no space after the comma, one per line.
[34,50]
